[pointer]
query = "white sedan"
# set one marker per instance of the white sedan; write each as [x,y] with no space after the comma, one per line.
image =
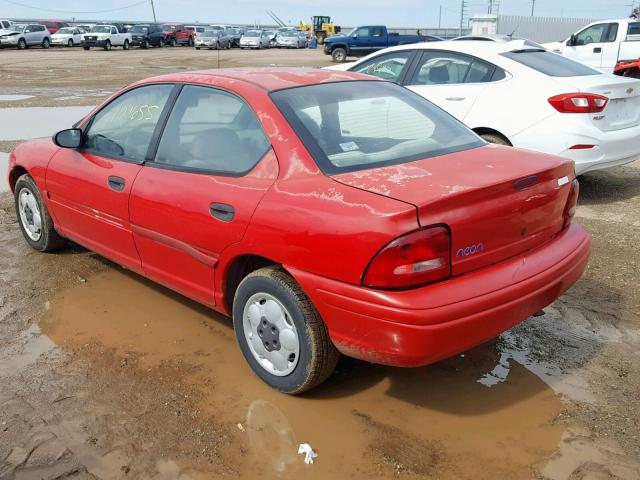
[516,94]
[67,37]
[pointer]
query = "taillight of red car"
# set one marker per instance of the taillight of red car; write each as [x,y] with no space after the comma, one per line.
[579,103]
[572,203]
[414,259]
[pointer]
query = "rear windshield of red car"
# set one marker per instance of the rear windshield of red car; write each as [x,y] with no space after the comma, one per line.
[357,125]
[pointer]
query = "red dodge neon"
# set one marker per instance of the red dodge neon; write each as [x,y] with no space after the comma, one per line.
[324,211]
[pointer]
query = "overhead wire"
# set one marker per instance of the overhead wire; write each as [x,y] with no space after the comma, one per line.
[125,7]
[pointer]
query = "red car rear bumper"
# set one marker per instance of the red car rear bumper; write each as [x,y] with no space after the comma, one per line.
[420,326]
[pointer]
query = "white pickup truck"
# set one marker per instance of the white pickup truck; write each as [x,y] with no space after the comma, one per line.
[106,36]
[602,45]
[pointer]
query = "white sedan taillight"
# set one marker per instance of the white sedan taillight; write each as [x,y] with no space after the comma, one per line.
[579,102]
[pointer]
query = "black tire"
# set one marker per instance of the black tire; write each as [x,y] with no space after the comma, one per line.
[317,357]
[49,239]
[197,48]
[174,42]
[497,139]
[339,55]
[46,43]
[86,47]
[22,44]
[107,45]
[125,45]
[70,42]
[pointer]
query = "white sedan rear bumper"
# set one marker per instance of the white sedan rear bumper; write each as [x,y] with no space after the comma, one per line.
[558,133]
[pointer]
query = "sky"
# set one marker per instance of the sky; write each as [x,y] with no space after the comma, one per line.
[395,13]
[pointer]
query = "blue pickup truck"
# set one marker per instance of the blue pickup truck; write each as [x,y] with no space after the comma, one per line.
[362,41]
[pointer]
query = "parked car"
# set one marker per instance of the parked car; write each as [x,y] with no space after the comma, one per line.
[291,39]
[235,34]
[496,38]
[602,45]
[255,39]
[85,27]
[271,35]
[4,25]
[212,39]
[628,69]
[196,29]
[22,35]
[176,34]
[444,241]
[362,41]
[147,35]
[67,37]
[106,36]
[53,25]
[563,107]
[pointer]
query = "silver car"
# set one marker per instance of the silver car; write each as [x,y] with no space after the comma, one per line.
[255,39]
[291,39]
[212,39]
[22,35]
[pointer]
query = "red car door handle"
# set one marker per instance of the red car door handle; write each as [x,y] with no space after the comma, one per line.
[222,211]
[116,183]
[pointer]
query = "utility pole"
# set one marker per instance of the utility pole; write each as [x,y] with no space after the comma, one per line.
[153,9]
[463,5]
[533,6]
[440,18]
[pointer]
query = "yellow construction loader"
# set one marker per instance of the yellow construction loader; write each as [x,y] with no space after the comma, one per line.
[320,27]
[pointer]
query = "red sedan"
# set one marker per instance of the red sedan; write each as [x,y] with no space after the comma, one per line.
[324,211]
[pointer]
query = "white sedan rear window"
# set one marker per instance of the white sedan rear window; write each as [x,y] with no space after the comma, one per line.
[550,63]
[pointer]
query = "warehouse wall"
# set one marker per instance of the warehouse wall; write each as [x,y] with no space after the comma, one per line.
[541,29]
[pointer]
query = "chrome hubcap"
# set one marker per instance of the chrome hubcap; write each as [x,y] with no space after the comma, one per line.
[30,214]
[271,334]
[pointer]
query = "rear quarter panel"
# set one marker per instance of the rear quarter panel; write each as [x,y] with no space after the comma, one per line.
[629,50]
[515,103]
[322,227]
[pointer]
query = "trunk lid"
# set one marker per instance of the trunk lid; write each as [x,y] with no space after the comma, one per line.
[623,109]
[497,201]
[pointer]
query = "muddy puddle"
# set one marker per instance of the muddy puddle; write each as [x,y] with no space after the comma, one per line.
[441,421]
[14,98]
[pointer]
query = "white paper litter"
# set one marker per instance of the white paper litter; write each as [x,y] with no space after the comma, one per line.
[309,454]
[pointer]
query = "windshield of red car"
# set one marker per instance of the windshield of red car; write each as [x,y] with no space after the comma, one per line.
[356,125]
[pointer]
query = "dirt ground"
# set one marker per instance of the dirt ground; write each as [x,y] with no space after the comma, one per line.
[104,374]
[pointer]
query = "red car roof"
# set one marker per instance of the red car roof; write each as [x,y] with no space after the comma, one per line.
[267,78]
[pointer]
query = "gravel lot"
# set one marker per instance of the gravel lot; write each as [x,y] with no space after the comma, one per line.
[106,375]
